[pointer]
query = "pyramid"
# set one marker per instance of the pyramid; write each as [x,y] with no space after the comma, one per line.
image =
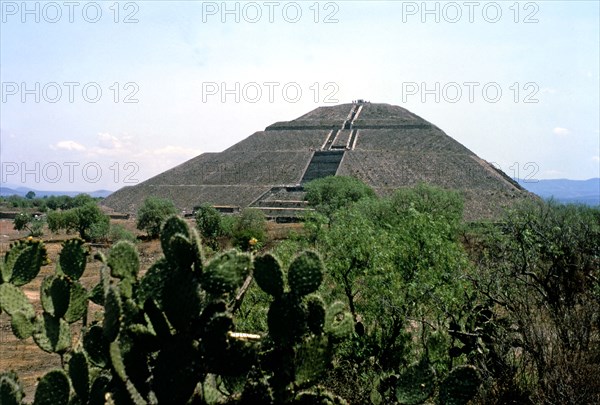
[385,146]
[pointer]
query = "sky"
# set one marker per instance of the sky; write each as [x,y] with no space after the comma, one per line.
[106,94]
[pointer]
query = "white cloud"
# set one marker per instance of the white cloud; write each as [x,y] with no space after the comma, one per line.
[108,141]
[68,145]
[561,131]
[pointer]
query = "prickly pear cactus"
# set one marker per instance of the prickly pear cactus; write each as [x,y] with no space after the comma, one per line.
[300,328]
[13,300]
[73,258]
[226,273]
[460,386]
[123,261]
[415,384]
[53,389]
[305,274]
[161,336]
[11,390]
[23,261]
[268,275]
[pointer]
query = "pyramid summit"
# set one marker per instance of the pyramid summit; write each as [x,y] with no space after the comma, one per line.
[385,146]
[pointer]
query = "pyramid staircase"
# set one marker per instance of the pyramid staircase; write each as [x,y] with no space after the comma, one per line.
[287,203]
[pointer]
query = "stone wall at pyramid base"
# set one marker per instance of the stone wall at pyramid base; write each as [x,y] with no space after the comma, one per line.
[479,204]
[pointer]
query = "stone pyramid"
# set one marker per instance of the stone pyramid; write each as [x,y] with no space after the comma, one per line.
[386,146]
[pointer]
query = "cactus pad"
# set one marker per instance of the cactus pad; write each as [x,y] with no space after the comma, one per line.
[77,302]
[305,273]
[51,334]
[226,273]
[23,262]
[152,284]
[55,294]
[22,325]
[182,302]
[12,299]
[112,314]
[183,250]
[80,375]
[173,226]
[316,314]
[96,346]
[123,261]
[73,258]
[268,275]
[338,321]
[287,319]
[11,391]
[53,389]
[460,386]
[415,384]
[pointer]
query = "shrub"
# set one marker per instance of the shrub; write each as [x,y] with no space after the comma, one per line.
[329,194]
[250,224]
[88,221]
[152,213]
[33,224]
[208,222]
[119,232]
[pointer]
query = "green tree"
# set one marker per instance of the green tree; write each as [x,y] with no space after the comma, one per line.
[329,194]
[56,221]
[88,221]
[152,213]
[208,222]
[399,266]
[540,268]
[25,221]
[30,195]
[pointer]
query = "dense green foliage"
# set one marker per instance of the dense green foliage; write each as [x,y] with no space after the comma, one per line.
[423,309]
[31,223]
[87,220]
[209,223]
[539,272]
[152,214]
[330,194]
[118,232]
[249,229]
[47,203]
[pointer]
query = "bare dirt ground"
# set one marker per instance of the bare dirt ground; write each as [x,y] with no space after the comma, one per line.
[24,356]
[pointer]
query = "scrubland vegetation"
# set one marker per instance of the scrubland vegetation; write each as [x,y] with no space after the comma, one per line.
[374,300]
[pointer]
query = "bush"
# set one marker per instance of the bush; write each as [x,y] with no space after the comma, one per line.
[250,225]
[33,224]
[119,232]
[88,221]
[329,194]
[540,268]
[153,212]
[208,222]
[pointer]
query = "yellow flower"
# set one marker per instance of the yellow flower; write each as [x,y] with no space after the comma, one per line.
[253,241]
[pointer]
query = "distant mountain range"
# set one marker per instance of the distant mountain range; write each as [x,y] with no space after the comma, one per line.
[563,190]
[566,191]
[8,190]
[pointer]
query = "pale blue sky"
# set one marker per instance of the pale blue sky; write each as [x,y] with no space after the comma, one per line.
[382,51]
